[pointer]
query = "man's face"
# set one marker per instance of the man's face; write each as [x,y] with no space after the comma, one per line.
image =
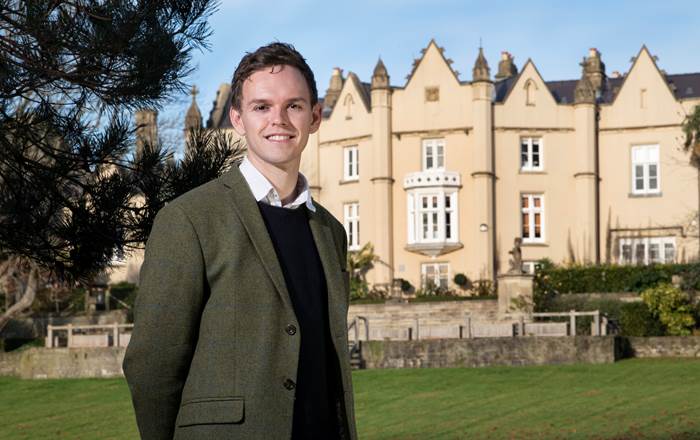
[276,116]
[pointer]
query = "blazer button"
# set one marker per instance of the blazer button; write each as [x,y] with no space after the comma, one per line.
[291,330]
[289,384]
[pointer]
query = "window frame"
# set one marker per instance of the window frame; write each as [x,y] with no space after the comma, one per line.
[645,149]
[528,167]
[436,271]
[646,242]
[433,145]
[531,211]
[416,214]
[351,163]
[351,219]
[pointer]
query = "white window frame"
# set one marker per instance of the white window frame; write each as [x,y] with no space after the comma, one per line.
[646,243]
[437,216]
[644,157]
[529,267]
[528,143]
[433,149]
[436,271]
[351,163]
[351,221]
[531,210]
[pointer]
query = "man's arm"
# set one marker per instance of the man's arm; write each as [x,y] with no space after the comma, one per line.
[166,319]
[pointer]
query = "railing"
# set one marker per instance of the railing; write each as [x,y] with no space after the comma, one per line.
[355,326]
[599,327]
[111,335]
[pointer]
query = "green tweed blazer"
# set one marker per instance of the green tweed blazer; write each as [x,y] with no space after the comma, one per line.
[209,356]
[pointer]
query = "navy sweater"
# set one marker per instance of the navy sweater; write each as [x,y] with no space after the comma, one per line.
[318,385]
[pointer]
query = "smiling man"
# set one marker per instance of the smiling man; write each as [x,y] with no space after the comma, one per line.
[240,323]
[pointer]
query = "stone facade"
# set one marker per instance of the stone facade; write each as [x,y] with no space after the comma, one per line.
[443,173]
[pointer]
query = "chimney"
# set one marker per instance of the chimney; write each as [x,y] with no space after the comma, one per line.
[506,67]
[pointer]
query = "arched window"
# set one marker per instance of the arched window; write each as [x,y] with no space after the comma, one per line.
[348,102]
[530,89]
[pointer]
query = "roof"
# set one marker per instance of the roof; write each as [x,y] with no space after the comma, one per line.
[686,85]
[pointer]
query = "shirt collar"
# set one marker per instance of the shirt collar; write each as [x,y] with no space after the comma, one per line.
[263,191]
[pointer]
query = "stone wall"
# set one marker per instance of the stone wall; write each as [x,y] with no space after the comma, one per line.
[663,346]
[63,363]
[430,320]
[489,352]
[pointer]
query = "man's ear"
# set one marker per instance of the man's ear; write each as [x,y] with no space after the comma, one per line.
[236,120]
[315,117]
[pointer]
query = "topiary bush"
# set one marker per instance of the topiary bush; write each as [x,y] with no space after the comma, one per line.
[672,307]
[462,281]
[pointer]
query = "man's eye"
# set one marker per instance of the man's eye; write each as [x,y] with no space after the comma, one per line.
[295,106]
[260,107]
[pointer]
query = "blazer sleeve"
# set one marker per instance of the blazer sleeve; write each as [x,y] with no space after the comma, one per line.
[166,321]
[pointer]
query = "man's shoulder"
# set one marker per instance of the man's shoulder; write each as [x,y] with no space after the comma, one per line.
[330,218]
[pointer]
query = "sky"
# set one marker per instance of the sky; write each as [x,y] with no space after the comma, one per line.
[353,35]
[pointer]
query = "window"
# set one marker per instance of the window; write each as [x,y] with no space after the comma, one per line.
[532,210]
[645,169]
[351,163]
[433,154]
[529,267]
[531,154]
[351,216]
[647,250]
[437,274]
[432,216]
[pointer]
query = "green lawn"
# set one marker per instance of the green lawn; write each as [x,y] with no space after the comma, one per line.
[633,399]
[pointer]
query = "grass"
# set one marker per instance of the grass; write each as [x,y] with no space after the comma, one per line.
[632,399]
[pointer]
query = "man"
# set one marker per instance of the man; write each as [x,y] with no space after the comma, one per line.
[240,323]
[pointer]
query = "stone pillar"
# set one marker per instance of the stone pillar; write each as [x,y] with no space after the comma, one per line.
[584,235]
[585,178]
[515,298]
[483,175]
[382,177]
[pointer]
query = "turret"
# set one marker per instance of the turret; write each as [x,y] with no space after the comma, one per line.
[506,67]
[481,71]
[334,88]
[584,93]
[193,119]
[146,128]
[380,77]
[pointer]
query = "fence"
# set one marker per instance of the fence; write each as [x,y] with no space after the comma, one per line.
[419,329]
[73,336]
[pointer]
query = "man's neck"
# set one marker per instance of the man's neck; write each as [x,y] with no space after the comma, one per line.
[284,180]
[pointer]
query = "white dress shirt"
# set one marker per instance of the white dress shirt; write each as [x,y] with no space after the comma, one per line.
[263,191]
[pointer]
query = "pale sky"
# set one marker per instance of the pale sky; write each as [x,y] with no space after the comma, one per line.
[352,35]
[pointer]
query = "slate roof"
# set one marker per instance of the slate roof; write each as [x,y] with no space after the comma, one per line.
[686,85]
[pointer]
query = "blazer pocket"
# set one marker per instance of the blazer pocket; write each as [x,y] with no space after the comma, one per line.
[211,410]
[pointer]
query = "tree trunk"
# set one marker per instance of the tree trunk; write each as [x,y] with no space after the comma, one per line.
[28,293]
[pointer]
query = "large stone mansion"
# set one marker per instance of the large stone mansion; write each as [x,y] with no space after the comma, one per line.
[441,175]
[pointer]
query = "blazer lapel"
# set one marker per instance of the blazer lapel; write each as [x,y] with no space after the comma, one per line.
[247,209]
[325,244]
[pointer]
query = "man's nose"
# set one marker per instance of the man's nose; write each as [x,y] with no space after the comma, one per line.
[279,116]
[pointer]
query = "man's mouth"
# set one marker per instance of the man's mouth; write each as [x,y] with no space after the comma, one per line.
[279,137]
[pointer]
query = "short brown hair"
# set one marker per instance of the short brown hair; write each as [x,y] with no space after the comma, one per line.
[274,54]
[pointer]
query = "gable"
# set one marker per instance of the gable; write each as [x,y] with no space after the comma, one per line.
[644,98]
[529,90]
[431,67]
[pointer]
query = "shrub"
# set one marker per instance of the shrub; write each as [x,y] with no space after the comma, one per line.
[462,281]
[358,288]
[406,286]
[484,288]
[124,292]
[637,320]
[672,307]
